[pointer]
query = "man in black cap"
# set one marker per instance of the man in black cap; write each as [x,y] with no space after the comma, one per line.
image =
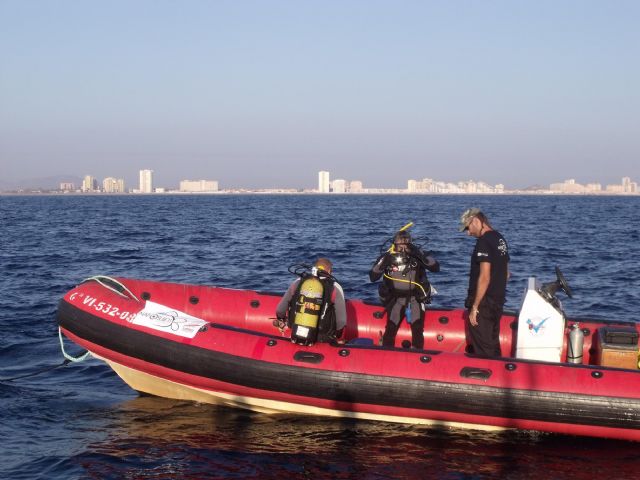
[487,283]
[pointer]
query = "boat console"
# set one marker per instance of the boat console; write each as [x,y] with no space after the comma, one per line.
[541,322]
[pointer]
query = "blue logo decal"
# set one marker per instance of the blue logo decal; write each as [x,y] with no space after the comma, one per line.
[536,327]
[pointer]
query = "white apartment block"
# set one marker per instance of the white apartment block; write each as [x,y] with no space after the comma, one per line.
[198,186]
[323,182]
[339,186]
[628,186]
[355,186]
[89,184]
[146,181]
[570,186]
[428,185]
[113,185]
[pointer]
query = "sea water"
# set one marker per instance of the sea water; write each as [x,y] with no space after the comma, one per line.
[82,421]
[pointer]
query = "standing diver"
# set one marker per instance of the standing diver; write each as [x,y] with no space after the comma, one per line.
[405,290]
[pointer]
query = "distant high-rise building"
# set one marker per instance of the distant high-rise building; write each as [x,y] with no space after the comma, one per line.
[89,184]
[195,186]
[568,186]
[146,181]
[355,186]
[425,185]
[470,187]
[628,186]
[615,189]
[67,186]
[323,182]
[113,185]
[339,186]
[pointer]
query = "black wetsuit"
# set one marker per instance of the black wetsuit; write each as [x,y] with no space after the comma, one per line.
[405,284]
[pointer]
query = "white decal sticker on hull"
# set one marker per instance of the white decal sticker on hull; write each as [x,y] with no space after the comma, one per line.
[166,319]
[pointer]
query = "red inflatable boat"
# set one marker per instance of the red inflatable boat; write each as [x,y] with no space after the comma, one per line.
[220,346]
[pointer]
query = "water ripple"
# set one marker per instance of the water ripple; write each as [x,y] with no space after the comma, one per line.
[80,421]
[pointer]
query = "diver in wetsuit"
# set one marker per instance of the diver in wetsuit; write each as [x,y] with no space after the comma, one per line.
[314,306]
[405,290]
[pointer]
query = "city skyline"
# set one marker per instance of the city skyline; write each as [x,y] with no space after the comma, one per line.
[325,185]
[90,182]
[500,92]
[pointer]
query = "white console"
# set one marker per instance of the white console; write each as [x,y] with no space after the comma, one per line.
[541,326]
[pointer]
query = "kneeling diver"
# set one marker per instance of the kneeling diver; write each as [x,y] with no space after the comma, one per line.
[314,306]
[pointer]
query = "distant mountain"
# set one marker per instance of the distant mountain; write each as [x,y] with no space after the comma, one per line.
[40,183]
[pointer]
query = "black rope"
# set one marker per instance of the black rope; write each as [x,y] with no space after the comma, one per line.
[46,369]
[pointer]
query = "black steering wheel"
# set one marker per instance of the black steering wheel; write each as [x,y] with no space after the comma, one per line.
[562,283]
[549,290]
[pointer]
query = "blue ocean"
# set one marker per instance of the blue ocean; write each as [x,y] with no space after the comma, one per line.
[81,421]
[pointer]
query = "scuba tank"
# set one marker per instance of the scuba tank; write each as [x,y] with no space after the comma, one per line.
[307,310]
[576,344]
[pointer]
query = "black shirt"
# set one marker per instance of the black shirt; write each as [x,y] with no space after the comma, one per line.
[490,247]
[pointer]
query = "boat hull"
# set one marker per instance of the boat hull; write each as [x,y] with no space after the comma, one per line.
[260,369]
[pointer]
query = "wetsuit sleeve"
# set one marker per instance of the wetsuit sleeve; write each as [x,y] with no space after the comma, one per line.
[378,267]
[431,263]
[283,306]
[340,307]
[427,259]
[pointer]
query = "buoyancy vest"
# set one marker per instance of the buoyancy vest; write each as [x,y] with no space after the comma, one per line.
[311,311]
[405,276]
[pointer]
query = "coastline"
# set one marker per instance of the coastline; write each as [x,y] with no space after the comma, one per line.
[380,192]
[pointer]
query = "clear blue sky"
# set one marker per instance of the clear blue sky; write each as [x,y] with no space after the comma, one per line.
[267,93]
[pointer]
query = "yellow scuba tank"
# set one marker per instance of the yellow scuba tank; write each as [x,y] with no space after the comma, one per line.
[307,311]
